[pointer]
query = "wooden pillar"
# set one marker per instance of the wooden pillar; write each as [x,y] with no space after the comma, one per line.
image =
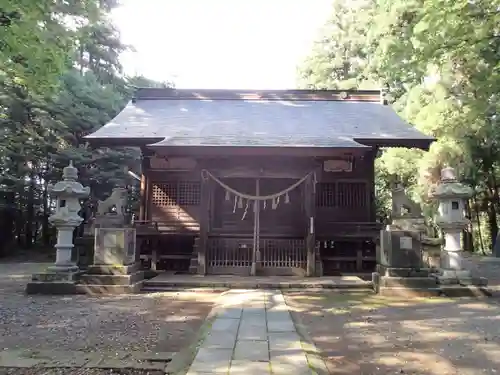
[204,224]
[371,175]
[145,186]
[310,206]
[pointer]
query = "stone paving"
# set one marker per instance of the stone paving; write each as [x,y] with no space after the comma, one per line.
[253,333]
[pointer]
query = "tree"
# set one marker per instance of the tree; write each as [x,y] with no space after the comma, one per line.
[45,114]
[38,38]
[439,59]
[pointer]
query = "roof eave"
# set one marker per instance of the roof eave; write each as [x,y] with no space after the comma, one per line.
[120,142]
[204,150]
[421,143]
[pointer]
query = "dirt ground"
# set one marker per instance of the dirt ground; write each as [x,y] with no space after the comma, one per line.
[364,334]
[160,322]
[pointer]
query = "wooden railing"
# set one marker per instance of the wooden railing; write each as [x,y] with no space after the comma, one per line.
[145,227]
[343,229]
[274,252]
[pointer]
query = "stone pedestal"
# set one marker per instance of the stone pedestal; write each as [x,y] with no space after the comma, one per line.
[400,270]
[116,267]
[110,220]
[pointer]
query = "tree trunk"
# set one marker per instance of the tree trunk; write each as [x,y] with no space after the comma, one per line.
[468,232]
[30,213]
[46,211]
[478,219]
[492,222]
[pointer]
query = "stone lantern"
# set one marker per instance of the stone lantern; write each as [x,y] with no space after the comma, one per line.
[451,196]
[68,193]
[62,277]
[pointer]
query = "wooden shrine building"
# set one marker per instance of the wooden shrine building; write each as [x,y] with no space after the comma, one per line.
[258,182]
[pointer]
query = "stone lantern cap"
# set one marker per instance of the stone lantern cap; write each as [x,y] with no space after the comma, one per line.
[450,187]
[69,186]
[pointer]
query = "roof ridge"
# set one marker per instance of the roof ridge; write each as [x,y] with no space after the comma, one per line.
[146,93]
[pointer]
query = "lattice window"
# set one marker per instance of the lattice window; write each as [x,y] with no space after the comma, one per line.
[176,193]
[325,195]
[189,193]
[341,194]
[351,194]
[165,194]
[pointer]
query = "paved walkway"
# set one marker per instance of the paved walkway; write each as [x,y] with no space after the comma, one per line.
[252,334]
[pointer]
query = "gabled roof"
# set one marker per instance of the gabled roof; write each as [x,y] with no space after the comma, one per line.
[298,118]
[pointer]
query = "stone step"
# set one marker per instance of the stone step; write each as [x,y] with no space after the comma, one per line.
[154,289]
[93,279]
[408,282]
[409,292]
[99,289]
[193,265]
[403,272]
[163,285]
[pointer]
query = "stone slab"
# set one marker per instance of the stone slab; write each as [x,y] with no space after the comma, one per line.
[296,357]
[212,360]
[245,367]
[281,341]
[283,367]
[278,315]
[252,333]
[281,326]
[253,321]
[220,340]
[225,325]
[251,351]
[230,313]
[255,310]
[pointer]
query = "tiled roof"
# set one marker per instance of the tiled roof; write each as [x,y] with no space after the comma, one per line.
[271,118]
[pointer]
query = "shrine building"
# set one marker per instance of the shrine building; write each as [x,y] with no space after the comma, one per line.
[258,182]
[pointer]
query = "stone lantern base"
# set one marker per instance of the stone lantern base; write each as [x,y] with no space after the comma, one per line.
[460,283]
[54,281]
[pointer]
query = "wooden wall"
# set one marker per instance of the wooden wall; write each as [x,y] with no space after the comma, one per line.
[173,194]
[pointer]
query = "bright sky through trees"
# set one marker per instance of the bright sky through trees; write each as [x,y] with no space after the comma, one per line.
[220,43]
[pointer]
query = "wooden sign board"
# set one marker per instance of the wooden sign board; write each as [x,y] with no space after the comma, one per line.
[337,165]
[161,163]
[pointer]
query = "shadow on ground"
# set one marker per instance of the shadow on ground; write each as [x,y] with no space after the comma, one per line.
[159,322]
[361,333]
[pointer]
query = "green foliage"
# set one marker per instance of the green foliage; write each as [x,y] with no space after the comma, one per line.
[67,84]
[38,38]
[439,59]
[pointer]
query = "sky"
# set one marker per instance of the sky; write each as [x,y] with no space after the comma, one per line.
[225,44]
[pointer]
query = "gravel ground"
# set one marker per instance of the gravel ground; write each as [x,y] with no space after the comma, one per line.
[75,371]
[161,322]
[373,335]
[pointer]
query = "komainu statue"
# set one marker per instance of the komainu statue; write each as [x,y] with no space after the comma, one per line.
[407,215]
[402,205]
[117,200]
